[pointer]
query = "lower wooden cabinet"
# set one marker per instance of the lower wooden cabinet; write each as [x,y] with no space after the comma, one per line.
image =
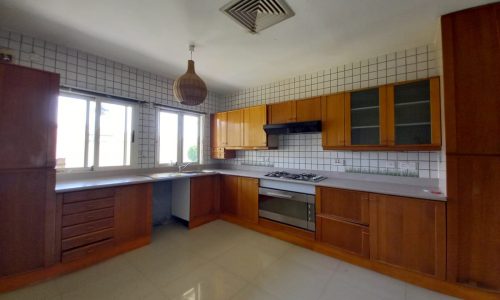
[91,221]
[409,233]
[204,204]
[240,197]
[345,235]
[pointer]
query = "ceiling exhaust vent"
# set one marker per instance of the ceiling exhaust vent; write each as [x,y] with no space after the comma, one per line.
[257,15]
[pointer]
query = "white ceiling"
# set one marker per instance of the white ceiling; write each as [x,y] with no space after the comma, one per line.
[154,34]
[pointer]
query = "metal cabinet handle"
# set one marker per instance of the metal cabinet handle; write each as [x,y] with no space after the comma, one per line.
[279,195]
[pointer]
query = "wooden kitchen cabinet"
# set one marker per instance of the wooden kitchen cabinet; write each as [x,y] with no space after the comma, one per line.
[234,128]
[333,121]
[366,118]
[240,197]
[414,114]
[347,236]
[218,137]
[283,112]
[205,200]
[254,119]
[133,212]
[408,233]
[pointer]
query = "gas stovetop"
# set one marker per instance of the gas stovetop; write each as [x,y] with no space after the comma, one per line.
[301,177]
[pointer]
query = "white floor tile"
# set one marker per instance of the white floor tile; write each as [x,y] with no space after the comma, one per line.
[418,293]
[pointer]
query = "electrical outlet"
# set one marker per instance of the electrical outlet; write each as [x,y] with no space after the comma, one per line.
[403,165]
[339,162]
[390,164]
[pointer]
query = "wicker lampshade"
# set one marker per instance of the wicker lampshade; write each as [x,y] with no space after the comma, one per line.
[189,89]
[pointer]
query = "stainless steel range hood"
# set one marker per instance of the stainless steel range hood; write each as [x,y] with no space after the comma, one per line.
[290,128]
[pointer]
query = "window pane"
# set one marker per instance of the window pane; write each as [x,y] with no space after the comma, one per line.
[190,137]
[90,150]
[71,123]
[112,135]
[168,129]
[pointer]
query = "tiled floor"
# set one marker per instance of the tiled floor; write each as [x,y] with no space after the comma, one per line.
[222,261]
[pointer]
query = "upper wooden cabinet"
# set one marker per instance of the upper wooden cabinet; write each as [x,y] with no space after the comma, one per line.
[365,117]
[333,120]
[295,111]
[254,119]
[234,128]
[409,233]
[471,66]
[414,114]
[218,137]
[28,102]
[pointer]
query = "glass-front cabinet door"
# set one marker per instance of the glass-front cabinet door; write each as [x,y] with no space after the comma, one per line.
[366,117]
[414,114]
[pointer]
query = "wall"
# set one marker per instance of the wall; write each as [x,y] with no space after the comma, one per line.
[304,151]
[87,71]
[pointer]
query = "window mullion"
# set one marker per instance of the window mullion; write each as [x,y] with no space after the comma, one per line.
[125,138]
[180,138]
[86,151]
[97,132]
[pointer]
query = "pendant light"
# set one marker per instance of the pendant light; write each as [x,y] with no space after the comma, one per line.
[189,89]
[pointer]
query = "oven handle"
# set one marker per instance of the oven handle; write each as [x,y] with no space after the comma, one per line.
[290,195]
[277,195]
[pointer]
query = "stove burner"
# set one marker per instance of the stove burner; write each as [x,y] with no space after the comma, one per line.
[302,176]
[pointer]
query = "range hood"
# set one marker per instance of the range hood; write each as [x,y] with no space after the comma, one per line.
[290,128]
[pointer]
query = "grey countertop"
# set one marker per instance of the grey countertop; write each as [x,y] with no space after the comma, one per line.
[369,183]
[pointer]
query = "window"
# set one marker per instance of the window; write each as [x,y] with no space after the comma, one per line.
[178,138]
[89,126]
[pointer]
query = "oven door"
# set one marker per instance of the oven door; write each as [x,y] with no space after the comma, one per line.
[290,208]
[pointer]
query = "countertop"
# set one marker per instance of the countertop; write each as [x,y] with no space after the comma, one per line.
[364,183]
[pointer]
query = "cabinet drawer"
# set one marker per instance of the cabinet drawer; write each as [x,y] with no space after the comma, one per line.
[80,229]
[348,236]
[86,239]
[81,252]
[87,216]
[349,205]
[83,206]
[88,195]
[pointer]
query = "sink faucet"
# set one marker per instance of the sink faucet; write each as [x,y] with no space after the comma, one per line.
[183,166]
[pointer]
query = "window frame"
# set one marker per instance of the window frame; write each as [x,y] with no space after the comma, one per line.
[97,114]
[180,137]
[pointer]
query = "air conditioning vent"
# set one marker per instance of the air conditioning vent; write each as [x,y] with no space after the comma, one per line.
[257,15]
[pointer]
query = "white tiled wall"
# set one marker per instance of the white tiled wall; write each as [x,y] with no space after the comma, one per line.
[90,72]
[304,151]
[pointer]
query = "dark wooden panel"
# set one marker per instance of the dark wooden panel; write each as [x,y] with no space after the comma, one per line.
[26,220]
[349,205]
[87,216]
[229,195]
[474,220]
[86,251]
[88,195]
[409,233]
[133,212]
[80,229]
[83,206]
[471,65]
[86,239]
[28,103]
[204,198]
[348,236]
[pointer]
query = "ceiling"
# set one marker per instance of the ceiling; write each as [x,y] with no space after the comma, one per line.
[154,34]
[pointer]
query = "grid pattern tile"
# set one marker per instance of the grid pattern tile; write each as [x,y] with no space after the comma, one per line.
[90,72]
[304,151]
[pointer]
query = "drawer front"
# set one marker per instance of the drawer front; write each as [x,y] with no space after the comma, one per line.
[349,205]
[86,239]
[77,207]
[87,216]
[348,236]
[88,195]
[84,228]
[82,252]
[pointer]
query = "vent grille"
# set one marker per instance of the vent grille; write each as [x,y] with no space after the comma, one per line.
[257,15]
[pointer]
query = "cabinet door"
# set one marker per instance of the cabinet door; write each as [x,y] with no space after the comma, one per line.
[414,113]
[253,126]
[473,221]
[351,206]
[133,212]
[221,129]
[229,196]
[409,233]
[27,220]
[332,108]
[284,112]
[345,235]
[204,205]
[28,103]
[365,113]
[471,66]
[308,109]
[234,128]
[248,199]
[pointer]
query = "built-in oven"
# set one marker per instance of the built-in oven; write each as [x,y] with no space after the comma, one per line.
[284,204]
